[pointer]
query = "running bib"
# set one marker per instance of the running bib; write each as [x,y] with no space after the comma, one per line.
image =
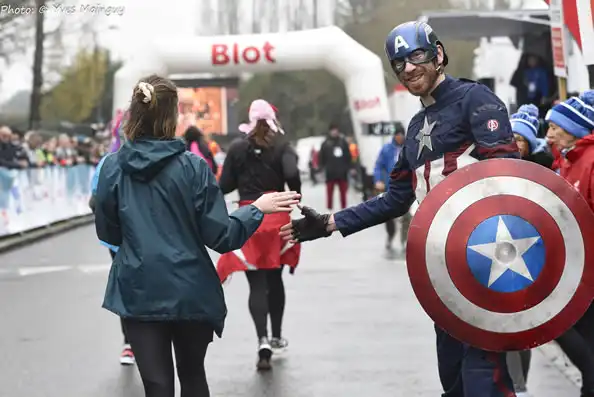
[337,151]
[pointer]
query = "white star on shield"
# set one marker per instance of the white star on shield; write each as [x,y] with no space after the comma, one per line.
[424,136]
[506,253]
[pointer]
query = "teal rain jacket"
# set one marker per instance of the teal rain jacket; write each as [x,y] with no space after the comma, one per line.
[161,206]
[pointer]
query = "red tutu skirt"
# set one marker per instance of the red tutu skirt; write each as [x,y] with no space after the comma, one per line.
[264,250]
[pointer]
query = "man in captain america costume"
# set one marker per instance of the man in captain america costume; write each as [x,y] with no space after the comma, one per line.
[461,122]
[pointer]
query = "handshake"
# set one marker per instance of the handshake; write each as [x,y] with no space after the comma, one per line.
[311,227]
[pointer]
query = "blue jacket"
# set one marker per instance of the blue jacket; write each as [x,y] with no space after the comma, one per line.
[94,182]
[162,207]
[467,122]
[537,83]
[386,161]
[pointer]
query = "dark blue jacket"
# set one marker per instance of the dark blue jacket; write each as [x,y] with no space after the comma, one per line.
[467,122]
[385,162]
[537,83]
[162,207]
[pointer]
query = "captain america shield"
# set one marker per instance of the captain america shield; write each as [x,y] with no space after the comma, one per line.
[500,255]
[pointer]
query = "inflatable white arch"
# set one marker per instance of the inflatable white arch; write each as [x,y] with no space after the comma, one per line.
[328,48]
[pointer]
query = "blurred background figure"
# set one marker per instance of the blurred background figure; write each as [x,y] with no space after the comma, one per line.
[525,125]
[384,164]
[314,165]
[335,159]
[196,144]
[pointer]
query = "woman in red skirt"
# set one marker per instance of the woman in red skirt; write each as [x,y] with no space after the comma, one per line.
[262,162]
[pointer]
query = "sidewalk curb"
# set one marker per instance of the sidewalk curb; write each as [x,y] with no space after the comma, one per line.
[558,359]
[19,240]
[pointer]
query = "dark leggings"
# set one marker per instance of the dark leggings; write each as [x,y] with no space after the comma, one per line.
[267,296]
[578,345]
[126,341]
[151,342]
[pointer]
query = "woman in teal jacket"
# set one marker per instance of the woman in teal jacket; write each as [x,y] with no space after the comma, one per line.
[161,207]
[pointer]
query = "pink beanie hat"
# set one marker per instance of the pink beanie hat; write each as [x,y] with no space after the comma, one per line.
[261,110]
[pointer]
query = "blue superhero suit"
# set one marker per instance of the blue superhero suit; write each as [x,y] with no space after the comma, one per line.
[465,123]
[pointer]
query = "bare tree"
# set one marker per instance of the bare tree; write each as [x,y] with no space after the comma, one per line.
[355,11]
[206,14]
[232,13]
[43,36]
[35,105]
[273,16]
[221,17]
[54,57]
[228,17]
[256,17]
[299,17]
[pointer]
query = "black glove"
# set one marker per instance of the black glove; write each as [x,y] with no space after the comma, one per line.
[313,226]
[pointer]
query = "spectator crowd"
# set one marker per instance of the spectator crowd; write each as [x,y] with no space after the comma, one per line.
[35,149]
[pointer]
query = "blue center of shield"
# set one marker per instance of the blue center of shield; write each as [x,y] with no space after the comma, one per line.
[505,253]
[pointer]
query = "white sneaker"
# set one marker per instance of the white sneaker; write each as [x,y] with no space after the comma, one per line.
[264,355]
[127,356]
[279,344]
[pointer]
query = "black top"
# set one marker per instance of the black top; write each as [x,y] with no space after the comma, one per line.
[335,158]
[254,170]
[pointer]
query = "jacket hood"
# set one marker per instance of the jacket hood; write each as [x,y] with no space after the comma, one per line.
[144,158]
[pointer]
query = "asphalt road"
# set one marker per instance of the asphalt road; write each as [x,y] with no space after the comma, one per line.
[354,326]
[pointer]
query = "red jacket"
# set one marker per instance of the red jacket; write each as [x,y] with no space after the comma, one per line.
[578,168]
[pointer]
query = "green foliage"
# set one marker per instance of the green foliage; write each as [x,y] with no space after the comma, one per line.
[81,88]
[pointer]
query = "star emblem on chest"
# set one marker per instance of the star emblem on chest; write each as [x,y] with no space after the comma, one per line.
[424,136]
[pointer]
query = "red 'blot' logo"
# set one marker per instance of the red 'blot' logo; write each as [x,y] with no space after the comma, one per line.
[362,104]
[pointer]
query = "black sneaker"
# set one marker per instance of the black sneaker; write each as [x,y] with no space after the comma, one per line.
[264,355]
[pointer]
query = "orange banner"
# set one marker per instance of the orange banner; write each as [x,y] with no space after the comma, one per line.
[204,108]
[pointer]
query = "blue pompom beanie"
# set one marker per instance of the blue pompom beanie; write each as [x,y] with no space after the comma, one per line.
[525,123]
[575,115]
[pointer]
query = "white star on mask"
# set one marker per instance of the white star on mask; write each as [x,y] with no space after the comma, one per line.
[506,253]
[424,137]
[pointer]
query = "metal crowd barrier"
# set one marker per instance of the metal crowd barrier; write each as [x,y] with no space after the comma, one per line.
[37,197]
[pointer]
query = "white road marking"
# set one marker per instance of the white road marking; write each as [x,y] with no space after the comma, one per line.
[33,270]
[90,269]
[27,271]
